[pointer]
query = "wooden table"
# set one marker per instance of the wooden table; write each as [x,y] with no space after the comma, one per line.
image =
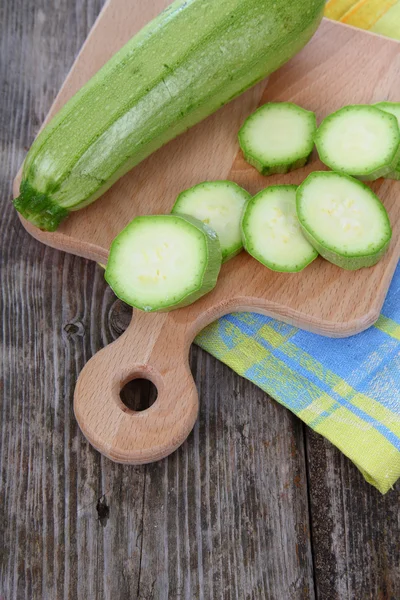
[253,506]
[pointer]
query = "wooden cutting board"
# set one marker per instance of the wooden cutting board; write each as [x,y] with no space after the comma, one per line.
[341,65]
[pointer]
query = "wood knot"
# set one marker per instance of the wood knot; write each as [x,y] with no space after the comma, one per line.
[73,329]
[119,317]
[103,510]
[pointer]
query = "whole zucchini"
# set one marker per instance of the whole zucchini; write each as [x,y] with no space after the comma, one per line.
[193,58]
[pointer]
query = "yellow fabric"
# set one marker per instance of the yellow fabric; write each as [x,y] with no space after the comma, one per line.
[389,23]
[365,13]
[335,9]
[379,16]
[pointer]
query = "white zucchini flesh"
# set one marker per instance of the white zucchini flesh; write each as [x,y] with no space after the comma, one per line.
[163,262]
[278,137]
[271,230]
[359,140]
[343,219]
[220,205]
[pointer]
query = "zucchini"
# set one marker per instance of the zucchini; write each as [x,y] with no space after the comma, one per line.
[163,262]
[271,231]
[343,219]
[193,58]
[278,137]
[359,140]
[220,205]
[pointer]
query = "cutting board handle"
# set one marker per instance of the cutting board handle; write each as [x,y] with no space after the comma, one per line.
[154,347]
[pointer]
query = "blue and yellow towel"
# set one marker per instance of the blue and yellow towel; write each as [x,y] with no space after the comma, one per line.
[345,389]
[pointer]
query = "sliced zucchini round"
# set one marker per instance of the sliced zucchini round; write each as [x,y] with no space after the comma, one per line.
[278,137]
[271,231]
[359,140]
[343,219]
[220,205]
[394,109]
[163,262]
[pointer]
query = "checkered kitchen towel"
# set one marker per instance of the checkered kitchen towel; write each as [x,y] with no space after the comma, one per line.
[345,389]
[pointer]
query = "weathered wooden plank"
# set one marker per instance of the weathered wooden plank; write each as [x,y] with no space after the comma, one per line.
[53,310]
[355,530]
[226,516]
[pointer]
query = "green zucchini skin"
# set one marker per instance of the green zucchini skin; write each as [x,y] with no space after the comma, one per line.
[395,174]
[281,170]
[394,109]
[349,264]
[192,59]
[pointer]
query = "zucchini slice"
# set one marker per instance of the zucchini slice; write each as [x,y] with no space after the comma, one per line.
[271,230]
[278,137]
[163,262]
[343,219]
[220,205]
[359,140]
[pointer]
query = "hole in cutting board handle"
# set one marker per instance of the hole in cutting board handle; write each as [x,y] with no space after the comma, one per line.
[138,395]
